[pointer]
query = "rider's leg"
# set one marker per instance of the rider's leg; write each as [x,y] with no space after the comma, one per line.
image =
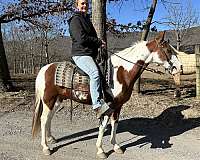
[88,65]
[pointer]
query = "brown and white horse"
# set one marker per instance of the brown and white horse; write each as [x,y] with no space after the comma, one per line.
[127,69]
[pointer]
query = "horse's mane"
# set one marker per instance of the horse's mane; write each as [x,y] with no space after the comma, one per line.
[135,46]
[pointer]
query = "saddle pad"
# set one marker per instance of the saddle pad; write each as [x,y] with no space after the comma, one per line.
[66,72]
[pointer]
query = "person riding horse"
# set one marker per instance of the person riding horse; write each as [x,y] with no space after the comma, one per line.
[85,44]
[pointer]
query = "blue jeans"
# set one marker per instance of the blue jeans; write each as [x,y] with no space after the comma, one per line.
[88,65]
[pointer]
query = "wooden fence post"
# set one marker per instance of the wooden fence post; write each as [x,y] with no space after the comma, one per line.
[197,53]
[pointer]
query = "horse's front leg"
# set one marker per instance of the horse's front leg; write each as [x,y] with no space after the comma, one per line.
[103,124]
[114,125]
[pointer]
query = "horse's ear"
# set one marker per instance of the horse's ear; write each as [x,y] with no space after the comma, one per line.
[160,37]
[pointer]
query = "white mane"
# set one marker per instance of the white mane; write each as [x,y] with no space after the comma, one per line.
[136,52]
[136,46]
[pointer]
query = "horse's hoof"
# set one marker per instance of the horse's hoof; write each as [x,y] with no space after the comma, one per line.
[102,155]
[52,140]
[119,151]
[46,152]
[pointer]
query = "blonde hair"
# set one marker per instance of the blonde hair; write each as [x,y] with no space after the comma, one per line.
[76,2]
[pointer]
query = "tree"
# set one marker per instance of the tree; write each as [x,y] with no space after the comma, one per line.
[99,22]
[28,11]
[5,82]
[145,32]
[180,19]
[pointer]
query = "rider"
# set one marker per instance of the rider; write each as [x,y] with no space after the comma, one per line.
[85,44]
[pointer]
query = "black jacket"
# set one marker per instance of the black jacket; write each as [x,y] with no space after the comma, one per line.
[84,36]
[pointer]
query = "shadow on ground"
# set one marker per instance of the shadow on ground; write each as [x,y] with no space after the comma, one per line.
[190,90]
[155,131]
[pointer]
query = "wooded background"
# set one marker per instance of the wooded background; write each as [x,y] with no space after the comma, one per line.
[32,32]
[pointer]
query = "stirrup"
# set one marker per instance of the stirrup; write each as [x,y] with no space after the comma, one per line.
[104,110]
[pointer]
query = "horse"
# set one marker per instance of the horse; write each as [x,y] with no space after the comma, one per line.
[188,67]
[188,62]
[128,65]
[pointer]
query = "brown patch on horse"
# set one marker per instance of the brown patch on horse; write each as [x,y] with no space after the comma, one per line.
[127,79]
[50,92]
[153,46]
[160,46]
[123,76]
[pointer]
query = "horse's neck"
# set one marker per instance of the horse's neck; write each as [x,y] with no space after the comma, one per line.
[128,68]
[130,55]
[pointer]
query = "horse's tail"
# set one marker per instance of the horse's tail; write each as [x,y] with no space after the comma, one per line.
[36,123]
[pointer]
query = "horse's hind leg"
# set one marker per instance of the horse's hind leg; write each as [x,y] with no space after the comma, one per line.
[103,124]
[50,139]
[44,119]
[114,125]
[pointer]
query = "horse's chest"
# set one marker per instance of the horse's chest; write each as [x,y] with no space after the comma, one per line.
[125,79]
[122,79]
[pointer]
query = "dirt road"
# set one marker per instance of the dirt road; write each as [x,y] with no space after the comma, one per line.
[142,138]
[152,127]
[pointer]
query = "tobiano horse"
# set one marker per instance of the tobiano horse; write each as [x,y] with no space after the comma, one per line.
[127,69]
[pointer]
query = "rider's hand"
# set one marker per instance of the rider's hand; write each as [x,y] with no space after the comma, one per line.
[103,44]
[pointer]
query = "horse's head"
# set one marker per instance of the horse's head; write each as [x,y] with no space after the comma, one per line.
[162,53]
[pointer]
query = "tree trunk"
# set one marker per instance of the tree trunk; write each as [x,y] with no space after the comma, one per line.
[46,46]
[178,40]
[99,17]
[5,79]
[99,22]
[144,36]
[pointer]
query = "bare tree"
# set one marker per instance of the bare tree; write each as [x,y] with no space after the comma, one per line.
[145,32]
[28,11]
[180,19]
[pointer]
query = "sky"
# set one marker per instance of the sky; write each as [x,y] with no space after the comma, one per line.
[133,10]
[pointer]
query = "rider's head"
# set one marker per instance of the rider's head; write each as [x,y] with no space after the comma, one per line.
[82,6]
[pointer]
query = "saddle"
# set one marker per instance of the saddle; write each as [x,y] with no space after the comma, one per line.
[70,76]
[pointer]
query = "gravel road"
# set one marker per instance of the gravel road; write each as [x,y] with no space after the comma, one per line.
[152,127]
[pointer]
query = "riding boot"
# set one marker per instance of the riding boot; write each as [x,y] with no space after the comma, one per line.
[104,109]
[107,92]
[108,96]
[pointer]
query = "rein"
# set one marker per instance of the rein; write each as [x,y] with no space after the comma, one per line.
[145,68]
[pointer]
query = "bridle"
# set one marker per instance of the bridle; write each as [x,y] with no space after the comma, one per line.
[163,50]
[171,66]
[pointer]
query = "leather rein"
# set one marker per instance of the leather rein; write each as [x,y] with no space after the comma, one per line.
[145,68]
